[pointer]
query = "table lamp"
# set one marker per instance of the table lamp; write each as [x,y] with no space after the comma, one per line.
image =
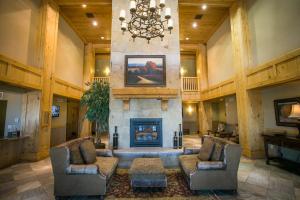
[295,113]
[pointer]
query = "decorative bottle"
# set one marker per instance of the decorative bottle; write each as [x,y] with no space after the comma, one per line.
[180,137]
[115,138]
[175,140]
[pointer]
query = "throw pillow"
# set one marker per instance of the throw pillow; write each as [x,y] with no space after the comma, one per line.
[206,150]
[88,152]
[75,155]
[218,151]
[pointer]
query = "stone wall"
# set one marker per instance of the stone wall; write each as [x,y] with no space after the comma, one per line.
[122,45]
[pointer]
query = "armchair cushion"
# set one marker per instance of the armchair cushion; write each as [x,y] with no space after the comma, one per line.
[190,150]
[88,152]
[218,152]
[75,155]
[104,152]
[206,150]
[82,169]
[188,163]
[210,165]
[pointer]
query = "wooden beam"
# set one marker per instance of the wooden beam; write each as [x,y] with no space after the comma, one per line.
[19,74]
[80,2]
[215,3]
[66,89]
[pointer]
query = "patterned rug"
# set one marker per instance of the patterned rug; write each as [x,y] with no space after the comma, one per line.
[177,188]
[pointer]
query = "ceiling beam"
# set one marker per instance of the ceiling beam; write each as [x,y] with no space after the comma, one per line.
[80,2]
[213,3]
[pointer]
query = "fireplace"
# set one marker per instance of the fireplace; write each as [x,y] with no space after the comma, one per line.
[146,132]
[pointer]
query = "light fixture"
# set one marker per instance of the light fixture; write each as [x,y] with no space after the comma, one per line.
[95,23]
[102,38]
[187,38]
[107,71]
[194,24]
[182,71]
[83,5]
[295,114]
[190,109]
[204,6]
[147,19]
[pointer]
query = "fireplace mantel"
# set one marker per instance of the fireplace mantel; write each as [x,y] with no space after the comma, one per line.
[163,94]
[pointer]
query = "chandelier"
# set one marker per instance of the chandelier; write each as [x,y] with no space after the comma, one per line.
[147,19]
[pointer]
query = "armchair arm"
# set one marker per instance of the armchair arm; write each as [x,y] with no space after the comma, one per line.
[210,165]
[190,150]
[82,169]
[104,152]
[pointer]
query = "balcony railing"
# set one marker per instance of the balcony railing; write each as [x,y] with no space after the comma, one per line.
[190,84]
[101,79]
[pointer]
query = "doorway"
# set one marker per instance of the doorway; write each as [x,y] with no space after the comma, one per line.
[3,107]
[72,120]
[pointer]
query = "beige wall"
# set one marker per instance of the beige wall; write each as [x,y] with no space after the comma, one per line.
[102,61]
[278,92]
[19,24]
[274,28]
[188,63]
[190,120]
[219,55]
[69,55]
[13,96]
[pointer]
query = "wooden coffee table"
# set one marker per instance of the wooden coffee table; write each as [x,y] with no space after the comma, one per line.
[147,172]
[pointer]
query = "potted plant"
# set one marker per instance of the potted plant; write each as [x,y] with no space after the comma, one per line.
[96,99]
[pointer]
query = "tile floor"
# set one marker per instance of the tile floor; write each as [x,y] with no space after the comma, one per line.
[257,181]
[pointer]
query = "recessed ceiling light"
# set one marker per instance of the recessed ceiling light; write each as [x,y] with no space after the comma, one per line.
[204,6]
[83,5]
[102,38]
[187,38]
[95,23]
[194,24]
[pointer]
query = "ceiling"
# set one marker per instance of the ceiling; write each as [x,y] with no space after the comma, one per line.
[212,17]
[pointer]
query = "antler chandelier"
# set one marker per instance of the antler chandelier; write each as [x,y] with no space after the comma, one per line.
[147,20]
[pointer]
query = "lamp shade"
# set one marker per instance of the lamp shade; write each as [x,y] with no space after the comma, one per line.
[295,113]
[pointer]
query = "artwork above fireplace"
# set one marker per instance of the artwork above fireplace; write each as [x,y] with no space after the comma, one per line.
[146,132]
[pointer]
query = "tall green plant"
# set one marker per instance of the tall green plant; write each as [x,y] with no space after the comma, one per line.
[97,101]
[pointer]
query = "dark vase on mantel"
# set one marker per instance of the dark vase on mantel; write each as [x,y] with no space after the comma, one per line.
[180,137]
[115,138]
[175,140]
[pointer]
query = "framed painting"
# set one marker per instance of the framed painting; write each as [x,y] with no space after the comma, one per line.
[284,112]
[145,70]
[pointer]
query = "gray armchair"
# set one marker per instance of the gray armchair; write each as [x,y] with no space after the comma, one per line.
[81,179]
[212,174]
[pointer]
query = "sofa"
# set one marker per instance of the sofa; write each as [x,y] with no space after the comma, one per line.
[214,166]
[73,176]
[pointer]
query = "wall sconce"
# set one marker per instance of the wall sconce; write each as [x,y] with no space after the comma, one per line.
[182,71]
[190,109]
[107,71]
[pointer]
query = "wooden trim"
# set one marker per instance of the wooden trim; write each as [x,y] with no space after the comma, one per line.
[280,70]
[19,74]
[222,89]
[66,89]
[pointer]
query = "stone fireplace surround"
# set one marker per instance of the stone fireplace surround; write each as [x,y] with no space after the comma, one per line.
[161,102]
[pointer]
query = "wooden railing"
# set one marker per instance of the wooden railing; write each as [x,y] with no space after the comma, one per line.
[101,79]
[190,84]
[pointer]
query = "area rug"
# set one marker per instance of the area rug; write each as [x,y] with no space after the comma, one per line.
[177,188]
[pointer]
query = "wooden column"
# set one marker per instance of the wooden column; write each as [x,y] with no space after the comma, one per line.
[204,108]
[249,104]
[88,74]
[89,64]
[48,41]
